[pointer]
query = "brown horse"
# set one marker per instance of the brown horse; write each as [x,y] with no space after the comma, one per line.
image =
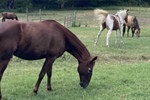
[46,39]
[8,15]
[131,22]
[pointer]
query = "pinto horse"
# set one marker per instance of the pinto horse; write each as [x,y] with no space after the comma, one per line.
[131,22]
[111,22]
[8,15]
[46,39]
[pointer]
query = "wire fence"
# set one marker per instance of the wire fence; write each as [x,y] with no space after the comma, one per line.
[80,18]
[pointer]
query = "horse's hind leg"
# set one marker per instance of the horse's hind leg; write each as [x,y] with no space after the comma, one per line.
[3,65]
[3,19]
[102,27]
[128,31]
[49,74]
[46,67]
[16,18]
[116,37]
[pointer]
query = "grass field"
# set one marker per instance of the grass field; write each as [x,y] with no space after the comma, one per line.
[122,72]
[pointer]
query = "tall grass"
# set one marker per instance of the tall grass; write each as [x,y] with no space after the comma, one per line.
[122,72]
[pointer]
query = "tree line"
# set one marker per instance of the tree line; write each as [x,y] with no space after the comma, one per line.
[61,4]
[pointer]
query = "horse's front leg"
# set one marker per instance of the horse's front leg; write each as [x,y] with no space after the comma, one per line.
[133,30]
[124,29]
[102,27]
[46,67]
[121,33]
[3,65]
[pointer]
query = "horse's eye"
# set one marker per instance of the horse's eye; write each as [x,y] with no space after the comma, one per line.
[89,71]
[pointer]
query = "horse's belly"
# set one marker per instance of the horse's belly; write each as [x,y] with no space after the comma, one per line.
[29,55]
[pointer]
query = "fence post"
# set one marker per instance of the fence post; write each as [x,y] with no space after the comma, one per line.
[27,13]
[74,17]
[40,14]
[65,21]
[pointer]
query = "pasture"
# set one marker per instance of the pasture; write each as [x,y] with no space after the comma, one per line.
[122,72]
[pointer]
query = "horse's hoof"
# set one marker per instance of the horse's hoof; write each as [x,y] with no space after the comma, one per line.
[107,46]
[95,44]
[35,91]
[122,42]
[49,89]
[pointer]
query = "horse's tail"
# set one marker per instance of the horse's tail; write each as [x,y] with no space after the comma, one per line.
[101,15]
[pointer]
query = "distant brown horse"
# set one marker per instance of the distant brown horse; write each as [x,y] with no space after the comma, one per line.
[46,39]
[8,15]
[132,22]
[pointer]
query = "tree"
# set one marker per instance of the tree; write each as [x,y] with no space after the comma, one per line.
[62,3]
[21,5]
[10,4]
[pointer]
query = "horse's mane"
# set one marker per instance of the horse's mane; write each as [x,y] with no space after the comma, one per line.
[136,24]
[119,11]
[74,44]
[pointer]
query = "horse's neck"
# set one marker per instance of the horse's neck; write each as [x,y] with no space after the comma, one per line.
[121,19]
[77,48]
[136,24]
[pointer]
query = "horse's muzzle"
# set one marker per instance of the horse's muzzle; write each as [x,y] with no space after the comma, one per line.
[83,85]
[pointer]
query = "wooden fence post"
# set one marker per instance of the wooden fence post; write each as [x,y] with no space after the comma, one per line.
[27,14]
[40,14]
[74,17]
[65,21]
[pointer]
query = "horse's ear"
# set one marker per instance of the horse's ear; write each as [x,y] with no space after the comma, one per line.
[135,17]
[127,10]
[93,59]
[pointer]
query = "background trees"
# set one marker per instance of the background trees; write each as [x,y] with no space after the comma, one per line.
[20,5]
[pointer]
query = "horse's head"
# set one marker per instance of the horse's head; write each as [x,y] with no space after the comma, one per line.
[137,32]
[123,14]
[136,26]
[85,70]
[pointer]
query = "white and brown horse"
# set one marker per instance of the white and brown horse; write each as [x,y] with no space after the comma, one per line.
[111,22]
[131,22]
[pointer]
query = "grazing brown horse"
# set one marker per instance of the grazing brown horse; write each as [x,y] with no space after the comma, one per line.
[8,15]
[131,22]
[46,39]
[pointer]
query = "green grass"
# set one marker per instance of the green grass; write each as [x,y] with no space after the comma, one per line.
[122,72]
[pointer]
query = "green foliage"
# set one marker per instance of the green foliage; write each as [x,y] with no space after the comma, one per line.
[22,5]
[2,3]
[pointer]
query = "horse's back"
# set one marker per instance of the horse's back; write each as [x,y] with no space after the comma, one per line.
[40,39]
[129,21]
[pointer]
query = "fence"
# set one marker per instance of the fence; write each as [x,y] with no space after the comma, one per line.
[39,16]
[82,18]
